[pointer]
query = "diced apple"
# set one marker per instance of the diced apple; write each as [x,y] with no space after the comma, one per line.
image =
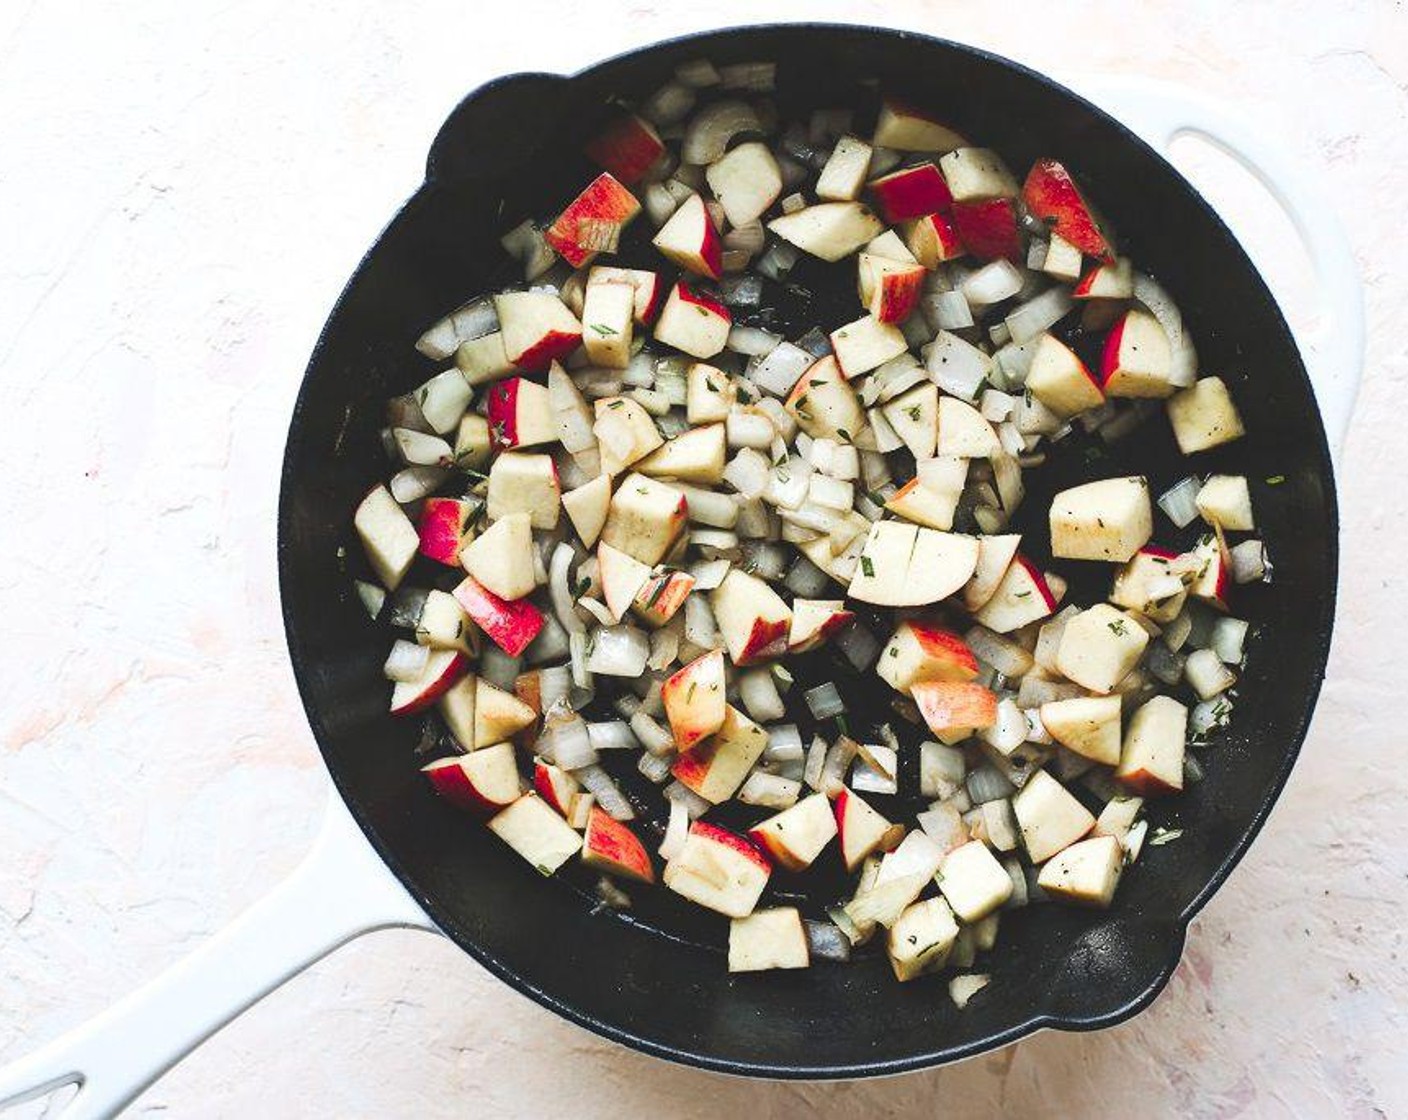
[511,624]
[861,829]
[768,939]
[556,786]
[914,415]
[690,240]
[456,708]
[828,230]
[815,620]
[649,289]
[753,619]
[1049,816]
[709,394]
[973,882]
[889,246]
[906,566]
[1226,501]
[889,289]
[716,767]
[976,174]
[482,782]
[718,869]
[538,328]
[524,483]
[906,128]
[662,596]
[1059,379]
[1086,873]
[1051,194]
[444,625]
[498,715]
[624,433]
[920,651]
[520,414]
[1108,280]
[1099,646]
[995,556]
[988,229]
[952,706]
[501,558]
[1208,566]
[1062,260]
[796,836]
[388,537]
[645,518]
[1151,759]
[1023,595]
[918,503]
[1136,358]
[697,455]
[1106,520]
[442,670]
[592,222]
[608,322]
[1203,416]
[536,833]
[963,432]
[612,847]
[587,507]
[483,359]
[473,443]
[910,192]
[627,147]
[1088,725]
[622,576]
[844,175]
[865,343]
[921,940]
[933,239]
[746,182]
[824,404]
[693,323]
[446,526]
[694,700]
[1152,584]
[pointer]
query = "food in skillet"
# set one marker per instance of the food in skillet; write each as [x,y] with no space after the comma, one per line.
[659,529]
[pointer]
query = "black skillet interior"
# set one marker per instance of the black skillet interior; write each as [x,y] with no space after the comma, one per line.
[656,980]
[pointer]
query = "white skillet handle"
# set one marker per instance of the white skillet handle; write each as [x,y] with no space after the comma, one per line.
[341,890]
[1333,347]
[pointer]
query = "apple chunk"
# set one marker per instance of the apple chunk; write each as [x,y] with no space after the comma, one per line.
[718,869]
[796,836]
[1136,358]
[612,847]
[975,174]
[995,556]
[1099,646]
[768,939]
[443,668]
[388,537]
[622,576]
[482,782]
[1152,584]
[501,558]
[690,240]
[446,526]
[647,286]
[624,432]
[694,700]
[1088,725]
[920,651]
[866,343]
[824,404]
[973,882]
[1052,196]
[697,455]
[593,221]
[752,618]
[1204,416]
[844,175]
[933,239]
[910,192]
[715,768]
[828,230]
[889,289]
[587,507]
[627,147]
[1106,520]
[1022,595]
[1086,873]
[949,707]
[903,565]
[1151,761]
[693,323]
[662,596]
[815,620]
[1059,379]
[608,323]
[644,518]
[536,833]
[520,414]
[921,940]
[527,484]
[860,829]
[537,328]
[988,229]
[556,786]
[1049,817]
[498,715]
[511,624]
[746,182]
[908,129]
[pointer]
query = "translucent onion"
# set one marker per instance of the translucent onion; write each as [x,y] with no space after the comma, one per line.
[618,651]
[782,368]
[994,282]
[859,645]
[748,472]
[707,136]
[1248,562]
[752,341]
[676,831]
[816,760]
[406,661]
[758,692]
[415,483]
[1028,320]
[766,559]
[695,805]
[497,667]
[566,743]
[824,701]
[742,291]
[771,791]
[1207,674]
[613,735]
[655,768]
[806,580]
[1179,501]
[559,591]
[607,793]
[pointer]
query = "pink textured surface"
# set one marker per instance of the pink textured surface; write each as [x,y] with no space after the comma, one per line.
[162,282]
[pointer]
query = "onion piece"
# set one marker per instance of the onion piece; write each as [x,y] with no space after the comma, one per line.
[1180,501]
[748,472]
[1028,320]
[406,661]
[607,793]
[709,132]
[618,651]
[838,760]
[415,483]
[656,768]
[742,291]
[994,282]
[676,831]
[758,692]
[692,802]
[1249,563]
[824,701]
[781,368]
[566,742]
[769,790]
[613,735]
[859,645]
[559,591]
[1229,637]
[752,341]
[806,580]
[1183,360]
[1207,674]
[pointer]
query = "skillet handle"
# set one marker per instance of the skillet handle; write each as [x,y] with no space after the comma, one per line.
[1333,346]
[341,890]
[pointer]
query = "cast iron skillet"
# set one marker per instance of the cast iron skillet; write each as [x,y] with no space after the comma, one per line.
[657,981]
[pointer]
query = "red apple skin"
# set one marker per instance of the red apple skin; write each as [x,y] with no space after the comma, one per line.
[657,297]
[950,705]
[455,668]
[692,766]
[835,622]
[502,413]
[1039,579]
[1110,352]
[1052,195]
[627,147]
[1086,283]
[772,847]
[911,192]
[989,229]
[614,848]
[603,200]
[763,641]
[453,784]
[939,229]
[511,624]
[731,840]
[707,669]
[1146,784]
[688,295]
[947,646]
[441,528]
[898,293]
[545,782]
[660,607]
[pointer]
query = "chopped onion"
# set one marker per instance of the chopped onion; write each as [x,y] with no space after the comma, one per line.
[668,104]
[707,136]
[1248,562]
[752,341]
[824,701]
[781,368]
[607,793]
[618,651]
[708,574]
[656,739]
[816,760]
[750,429]
[406,661]
[1183,360]
[549,645]
[614,735]
[941,770]
[1229,637]
[994,282]
[439,341]
[1165,664]
[566,743]
[1209,715]
[859,645]
[1179,501]
[987,783]
[699,627]
[693,803]
[784,743]
[742,291]
[656,767]
[787,487]
[806,580]
[748,472]
[876,769]
[838,759]
[756,77]
[946,311]
[709,507]
[597,609]
[1003,654]
[558,590]
[415,483]
[1010,730]
[1018,898]
[1207,675]
[826,941]
[1028,320]
[676,831]
[497,667]
[766,559]
[956,367]
[577,648]
[372,597]
[961,989]
[758,692]
[769,790]
[777,262]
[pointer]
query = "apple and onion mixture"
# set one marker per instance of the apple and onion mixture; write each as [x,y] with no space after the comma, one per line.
[635,512]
